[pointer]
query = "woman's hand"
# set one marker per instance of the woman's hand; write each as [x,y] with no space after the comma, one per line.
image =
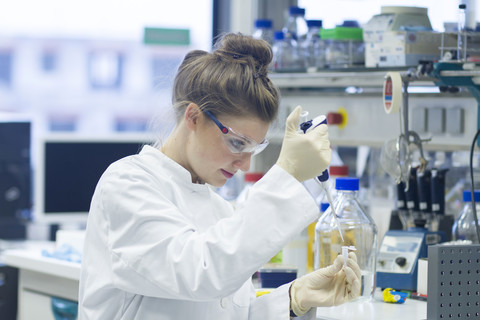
[330,286]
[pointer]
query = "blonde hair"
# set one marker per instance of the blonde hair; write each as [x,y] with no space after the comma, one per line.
[232,79]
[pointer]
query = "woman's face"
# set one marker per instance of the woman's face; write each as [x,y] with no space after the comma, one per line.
[209,158]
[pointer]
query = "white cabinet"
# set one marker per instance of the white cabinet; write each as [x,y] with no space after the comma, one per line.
[40,278]
[35,306]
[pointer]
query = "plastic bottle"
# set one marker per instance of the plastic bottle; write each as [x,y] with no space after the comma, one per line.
[285,53]
[461,36]
[263,30]
[311,238]
[249,180]
[296,25]
[464,226]
[314,47]
[358,230]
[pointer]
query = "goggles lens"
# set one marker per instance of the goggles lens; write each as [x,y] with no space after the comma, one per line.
[236,142]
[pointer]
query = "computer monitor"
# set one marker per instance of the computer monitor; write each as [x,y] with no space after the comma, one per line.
[67,170]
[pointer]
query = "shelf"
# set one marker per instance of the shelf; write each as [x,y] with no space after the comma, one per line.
[339,78]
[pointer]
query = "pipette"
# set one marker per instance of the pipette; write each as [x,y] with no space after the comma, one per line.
[306,127]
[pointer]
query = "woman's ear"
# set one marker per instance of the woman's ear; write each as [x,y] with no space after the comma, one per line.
[192,114]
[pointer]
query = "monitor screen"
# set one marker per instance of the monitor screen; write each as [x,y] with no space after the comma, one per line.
[68,170]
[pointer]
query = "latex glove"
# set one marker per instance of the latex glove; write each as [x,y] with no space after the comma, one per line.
[330,286]
[304,156]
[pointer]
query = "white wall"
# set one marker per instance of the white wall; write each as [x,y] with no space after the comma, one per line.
[110,19]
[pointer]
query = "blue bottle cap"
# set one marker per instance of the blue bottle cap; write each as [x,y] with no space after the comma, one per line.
[263,23]
[314,23]
[324,206]
[297,10]
[347,183]
[278,35]
[467,195]
[350,24]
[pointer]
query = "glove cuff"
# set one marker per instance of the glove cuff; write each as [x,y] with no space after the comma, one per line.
[295,305]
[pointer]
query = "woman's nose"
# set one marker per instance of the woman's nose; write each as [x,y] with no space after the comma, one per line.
[243,161]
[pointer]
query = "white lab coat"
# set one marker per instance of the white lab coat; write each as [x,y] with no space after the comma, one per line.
[161,247]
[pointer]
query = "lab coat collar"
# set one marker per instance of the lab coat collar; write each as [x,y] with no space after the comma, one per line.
[172,169]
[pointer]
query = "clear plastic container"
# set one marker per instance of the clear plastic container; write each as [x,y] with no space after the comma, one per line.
[311,238]
[286,56]
[313,47]
[344,46]
[296,25]
[358,229]
[263,30]
[464,226]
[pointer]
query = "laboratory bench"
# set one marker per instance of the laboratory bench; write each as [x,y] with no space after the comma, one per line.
[41,278]
[375,309]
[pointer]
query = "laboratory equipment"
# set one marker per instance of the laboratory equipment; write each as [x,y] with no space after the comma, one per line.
[344,46]
[286,57]
[461,34]
[296,25]
[396,157]
[263,30]
[314,47]
[402,36]
[358,229]
[397,262]
[68,168]
[464,227]
[345,250]
[453,281]
[306,127]
[274,275]
[311,238]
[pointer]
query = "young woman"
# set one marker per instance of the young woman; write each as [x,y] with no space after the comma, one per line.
[161,244]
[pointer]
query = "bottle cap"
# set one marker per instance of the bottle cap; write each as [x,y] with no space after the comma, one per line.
[467,195]
[279,35]
[253,176]
[347,183]
[314,23]
[339,170]
[263,23]
[350,24]
[297,10]
[324,206]
[462,6]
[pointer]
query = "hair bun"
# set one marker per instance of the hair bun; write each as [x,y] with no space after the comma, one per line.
[238,46]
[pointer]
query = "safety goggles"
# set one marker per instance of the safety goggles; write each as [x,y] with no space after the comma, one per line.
[236,142]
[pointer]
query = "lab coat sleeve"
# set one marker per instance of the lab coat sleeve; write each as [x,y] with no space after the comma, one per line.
[276,304]
[156,251]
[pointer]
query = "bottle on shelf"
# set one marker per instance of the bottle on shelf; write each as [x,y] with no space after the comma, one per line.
[464,226]
[286,56]
[314,47]
[263,30]
[358,229]
[296,25]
